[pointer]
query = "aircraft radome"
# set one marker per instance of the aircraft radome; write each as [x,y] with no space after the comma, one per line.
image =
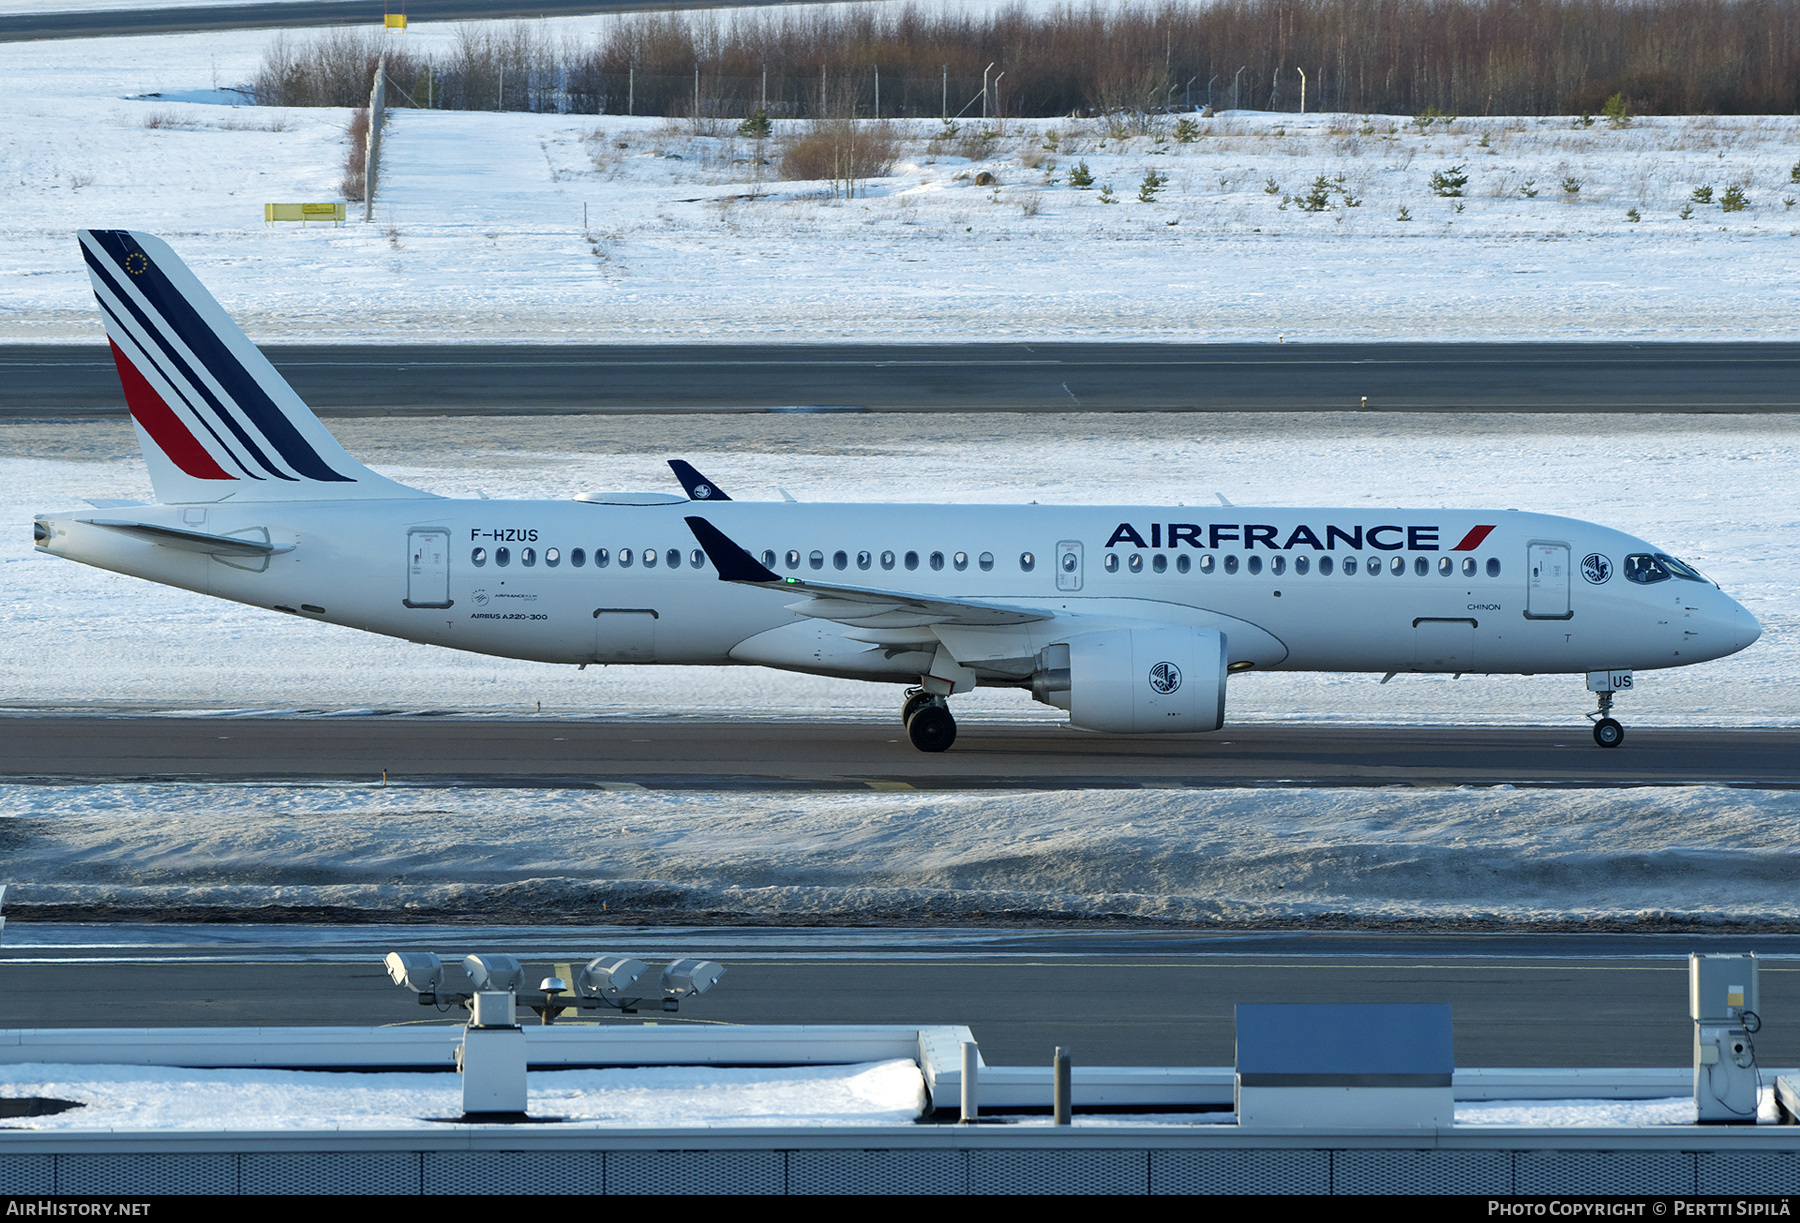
[1128,617]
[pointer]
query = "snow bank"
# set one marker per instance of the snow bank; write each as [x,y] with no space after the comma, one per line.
[1690,856]
[139,1097]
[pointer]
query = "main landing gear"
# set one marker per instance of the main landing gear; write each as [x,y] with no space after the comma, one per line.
[928,721]
[1607,731]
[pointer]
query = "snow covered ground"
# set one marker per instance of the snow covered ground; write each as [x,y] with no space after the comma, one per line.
[881,1093]
[481,229]
[1716,490]
[1647,858]
[139,1097]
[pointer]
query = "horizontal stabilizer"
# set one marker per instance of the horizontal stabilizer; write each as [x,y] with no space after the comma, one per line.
[191,541]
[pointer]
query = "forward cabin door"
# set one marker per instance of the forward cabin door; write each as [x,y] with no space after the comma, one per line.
[428,567]
[1547,577]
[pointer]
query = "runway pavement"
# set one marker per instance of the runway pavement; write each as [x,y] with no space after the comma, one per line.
[744,754]
[58,380]
[1116,997]
[182,18]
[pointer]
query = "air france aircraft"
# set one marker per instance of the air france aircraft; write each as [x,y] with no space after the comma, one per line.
[1129,618]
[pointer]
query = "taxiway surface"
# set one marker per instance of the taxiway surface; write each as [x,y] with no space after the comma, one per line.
[1117,997]
[339,380]
[691,754]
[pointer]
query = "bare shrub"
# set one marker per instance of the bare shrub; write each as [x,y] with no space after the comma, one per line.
[355,163]
[843,152]
[162,118]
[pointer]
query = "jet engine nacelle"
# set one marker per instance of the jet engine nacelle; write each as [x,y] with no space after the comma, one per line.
[1147,680]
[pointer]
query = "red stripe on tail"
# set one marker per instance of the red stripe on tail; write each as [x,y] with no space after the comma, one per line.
[163,426]
[1473,539]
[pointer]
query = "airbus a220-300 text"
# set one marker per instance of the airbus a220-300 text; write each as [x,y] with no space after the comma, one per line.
[1130,618]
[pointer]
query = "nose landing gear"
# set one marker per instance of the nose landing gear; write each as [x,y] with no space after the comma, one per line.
[1607,731]
[928,721]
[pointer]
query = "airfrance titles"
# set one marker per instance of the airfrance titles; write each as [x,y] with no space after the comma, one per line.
[1251,535]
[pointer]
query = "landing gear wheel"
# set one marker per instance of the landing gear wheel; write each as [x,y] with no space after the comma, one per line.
[931,729]
[1608,733]
[916,699]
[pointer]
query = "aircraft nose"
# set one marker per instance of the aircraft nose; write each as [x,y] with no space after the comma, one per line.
[1744,625]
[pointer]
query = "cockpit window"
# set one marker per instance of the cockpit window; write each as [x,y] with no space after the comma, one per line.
[1644,569]
[1679,569]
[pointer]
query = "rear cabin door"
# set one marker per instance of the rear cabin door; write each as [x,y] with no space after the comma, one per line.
[1547,577]
[428,567]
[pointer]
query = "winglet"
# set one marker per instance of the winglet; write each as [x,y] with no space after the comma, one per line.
[697,486]
[733,563]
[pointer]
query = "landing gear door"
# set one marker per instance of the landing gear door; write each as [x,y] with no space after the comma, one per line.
[1068,565]
[428,568]
[1547,578]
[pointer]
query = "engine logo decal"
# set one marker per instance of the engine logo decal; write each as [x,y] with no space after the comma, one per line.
[1165,677]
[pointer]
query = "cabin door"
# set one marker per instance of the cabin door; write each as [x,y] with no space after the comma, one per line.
[1547,578]
[428,568]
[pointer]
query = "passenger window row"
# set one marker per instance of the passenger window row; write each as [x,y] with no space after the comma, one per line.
[577,557]
[1638,568]
[840,560]
[1278,564]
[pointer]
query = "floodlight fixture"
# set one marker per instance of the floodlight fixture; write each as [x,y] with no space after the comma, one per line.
[494,972]
[690,978]
[420,971]
[609,977]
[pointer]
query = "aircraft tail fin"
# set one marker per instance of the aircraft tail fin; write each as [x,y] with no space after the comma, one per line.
[215,420]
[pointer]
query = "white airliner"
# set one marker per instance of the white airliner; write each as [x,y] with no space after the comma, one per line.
[1130,618]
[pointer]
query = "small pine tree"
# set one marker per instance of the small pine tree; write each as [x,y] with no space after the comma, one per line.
[1153,182]
[1106,195]
[1631,214]
[1585,120]
[1318,199]
[1686,213]
[1404,215]
[1703,195]
[1571,185]
[1449,182]
[1081,177]
[1734,199]
[1529,189]
[757,126]
[1271,187]
[1615,112]
[1187,131]
[1794,174]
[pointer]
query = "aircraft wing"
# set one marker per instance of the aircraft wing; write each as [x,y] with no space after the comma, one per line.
[857,606]
[697,486]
